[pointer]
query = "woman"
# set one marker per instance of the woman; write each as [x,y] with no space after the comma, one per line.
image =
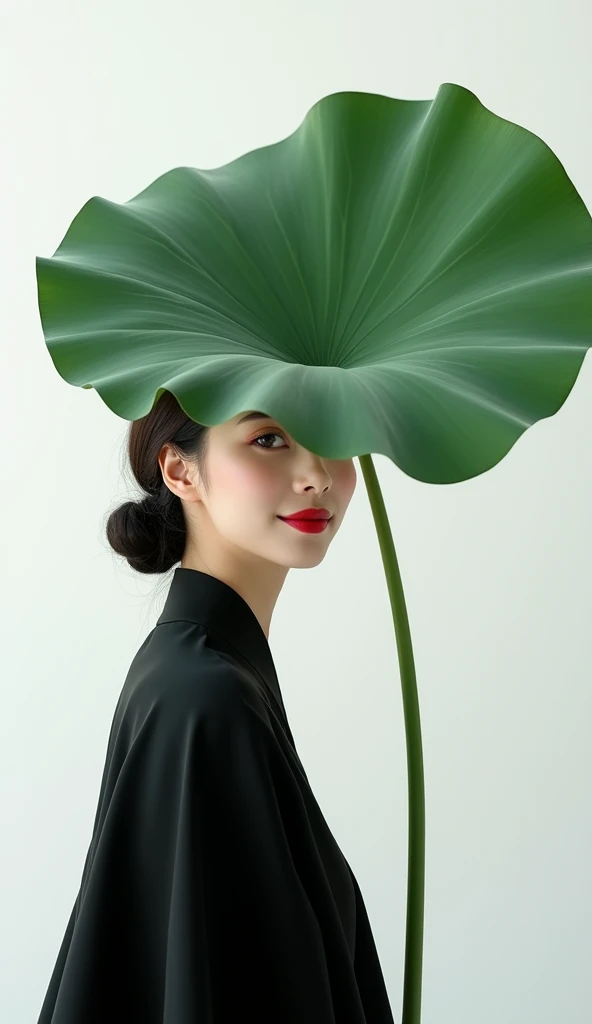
[213,890]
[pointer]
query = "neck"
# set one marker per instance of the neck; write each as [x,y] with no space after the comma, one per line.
[258,581]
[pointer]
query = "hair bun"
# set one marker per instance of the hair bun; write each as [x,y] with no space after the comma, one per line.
[149,533]
[148,503]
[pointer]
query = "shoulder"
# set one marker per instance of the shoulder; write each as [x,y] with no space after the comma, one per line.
[179,678]
[203,723]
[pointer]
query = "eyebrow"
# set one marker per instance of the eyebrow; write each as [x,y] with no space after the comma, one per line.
[254,416]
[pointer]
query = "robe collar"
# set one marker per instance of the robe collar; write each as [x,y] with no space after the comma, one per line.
[195,596]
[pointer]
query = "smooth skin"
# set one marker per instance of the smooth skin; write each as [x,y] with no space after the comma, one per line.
[256,472]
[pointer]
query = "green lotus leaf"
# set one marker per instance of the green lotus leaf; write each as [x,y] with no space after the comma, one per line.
[397,276]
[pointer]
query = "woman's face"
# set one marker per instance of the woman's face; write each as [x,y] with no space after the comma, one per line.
[256,473]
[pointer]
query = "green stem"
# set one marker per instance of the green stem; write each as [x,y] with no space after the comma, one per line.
[416,804]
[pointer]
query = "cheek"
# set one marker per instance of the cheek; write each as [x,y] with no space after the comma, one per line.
[345,478]
[248,478]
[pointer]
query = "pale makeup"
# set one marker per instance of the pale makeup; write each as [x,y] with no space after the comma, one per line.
[257,472]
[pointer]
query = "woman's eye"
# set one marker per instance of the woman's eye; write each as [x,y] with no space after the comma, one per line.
[260,438]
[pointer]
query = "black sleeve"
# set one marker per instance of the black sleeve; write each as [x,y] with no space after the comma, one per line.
[191,909]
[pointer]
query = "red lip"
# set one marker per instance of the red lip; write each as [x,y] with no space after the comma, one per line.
[310,513]
[307,525]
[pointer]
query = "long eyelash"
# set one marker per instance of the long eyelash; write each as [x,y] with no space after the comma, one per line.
[269,433]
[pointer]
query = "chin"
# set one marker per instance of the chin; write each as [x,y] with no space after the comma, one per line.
[308,563]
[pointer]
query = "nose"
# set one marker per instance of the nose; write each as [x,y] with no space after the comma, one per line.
[316,475]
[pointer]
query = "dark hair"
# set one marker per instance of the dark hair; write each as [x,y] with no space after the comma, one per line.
[151,533]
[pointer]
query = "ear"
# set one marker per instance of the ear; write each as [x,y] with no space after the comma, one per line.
[180,476]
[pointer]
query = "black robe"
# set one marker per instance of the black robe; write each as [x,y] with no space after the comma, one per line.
[213,891]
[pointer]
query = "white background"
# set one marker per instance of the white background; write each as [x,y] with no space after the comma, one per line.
[100,99]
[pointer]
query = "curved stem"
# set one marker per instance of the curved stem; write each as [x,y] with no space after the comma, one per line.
[416,847]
